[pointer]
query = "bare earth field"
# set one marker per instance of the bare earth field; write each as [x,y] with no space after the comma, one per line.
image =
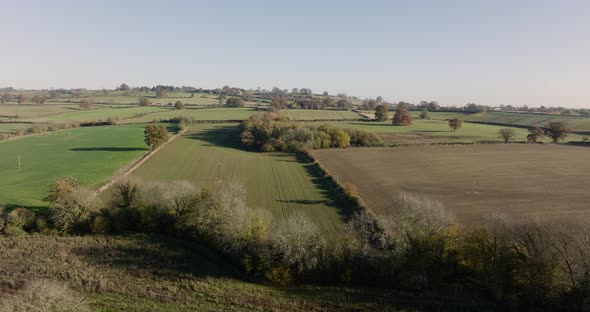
[548,182]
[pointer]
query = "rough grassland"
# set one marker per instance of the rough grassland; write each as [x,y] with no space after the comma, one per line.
[199,114]
[89,154]
[549,182]
[208,154]
[154,273]
[311,114]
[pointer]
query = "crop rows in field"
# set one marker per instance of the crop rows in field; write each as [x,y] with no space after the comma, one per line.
[209,155]
[549,182]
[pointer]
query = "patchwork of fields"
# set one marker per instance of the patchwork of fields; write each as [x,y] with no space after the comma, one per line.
[432,131]
[197,114]
[90,155]
[549,182]
[279,182]
[310,114]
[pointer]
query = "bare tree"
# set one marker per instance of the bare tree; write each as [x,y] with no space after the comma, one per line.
[506,134]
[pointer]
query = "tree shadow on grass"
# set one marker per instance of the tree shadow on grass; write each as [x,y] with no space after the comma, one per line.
[107,149]
[224,136]
[304,201]
[229,136]
[161,257]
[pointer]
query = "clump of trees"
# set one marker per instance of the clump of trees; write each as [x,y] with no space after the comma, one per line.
[155,136]
[21,98]
[235,102]
[143,101]
[178,105]
[39,99]
[402,117]
[161,93]
[272,132]
[557,130]
[506,134]
[424,115]
[455,123]
[381,112]
[86,104]
[535,133]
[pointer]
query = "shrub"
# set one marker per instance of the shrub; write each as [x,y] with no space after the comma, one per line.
[39,128]
[101,223]
[61,187]
[402,117]
[155,136]
[296,244]
[21,218]
[455,123]
[71,211]
[279,276]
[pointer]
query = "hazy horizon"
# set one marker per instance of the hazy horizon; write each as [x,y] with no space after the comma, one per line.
[489,52]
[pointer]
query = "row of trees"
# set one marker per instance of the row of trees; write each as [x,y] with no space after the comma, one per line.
[272,132]
[557,131]
[416,245]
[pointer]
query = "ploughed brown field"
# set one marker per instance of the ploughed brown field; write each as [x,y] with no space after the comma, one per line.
[526,182]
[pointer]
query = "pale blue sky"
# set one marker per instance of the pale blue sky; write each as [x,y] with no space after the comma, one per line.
[488,52]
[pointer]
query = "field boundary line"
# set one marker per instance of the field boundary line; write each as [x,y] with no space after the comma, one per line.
[114,179]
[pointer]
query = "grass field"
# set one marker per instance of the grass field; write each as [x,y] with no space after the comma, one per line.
[7,128]
[549,182]
[101,113]
[431,131]
[311,114]
[157,274]
[32,111]
[198,99]
[89,154]
[199,114]
[208,154]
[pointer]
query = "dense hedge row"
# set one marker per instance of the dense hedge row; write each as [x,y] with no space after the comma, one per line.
[417,245]
[272,132]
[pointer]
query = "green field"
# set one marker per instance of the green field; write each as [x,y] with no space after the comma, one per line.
[27,111]
[279,182]
[576,123]
[198,114]
[311,114]
[90,155]
[434,131]
[101,113]
[198,99]
[7,128]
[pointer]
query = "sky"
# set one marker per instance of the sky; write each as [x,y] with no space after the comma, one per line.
[495,52]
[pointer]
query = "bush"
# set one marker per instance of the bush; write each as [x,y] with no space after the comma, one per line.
[39,128]
[21,218]
[71,211]
[270,132]
[61,187]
